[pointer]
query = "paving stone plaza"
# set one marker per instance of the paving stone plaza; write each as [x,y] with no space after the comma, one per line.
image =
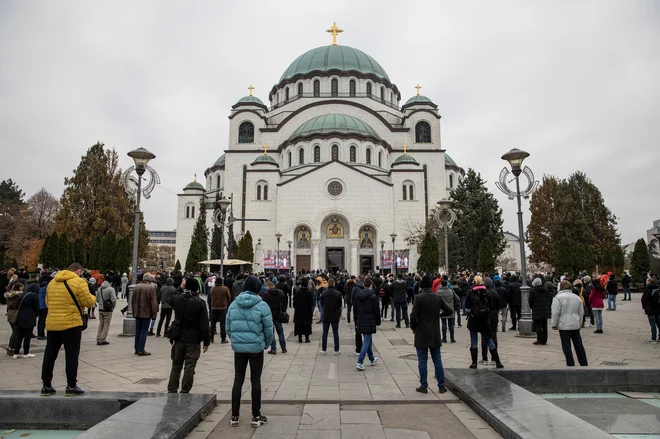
[308,395]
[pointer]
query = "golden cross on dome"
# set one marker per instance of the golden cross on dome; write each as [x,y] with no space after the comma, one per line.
[334,30]
[195,177]
[266,149]
[405,147]
[252,88]
[418,87]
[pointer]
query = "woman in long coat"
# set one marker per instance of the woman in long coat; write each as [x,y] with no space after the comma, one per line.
[303,306]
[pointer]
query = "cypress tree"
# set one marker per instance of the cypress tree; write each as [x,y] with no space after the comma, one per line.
[486,256]
[428,258]
[199,247]
[63,251]
[177,266]
[640,262]
[79,252]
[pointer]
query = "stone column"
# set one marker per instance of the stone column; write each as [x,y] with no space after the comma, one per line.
[354,266]
[316,253]
[413,257]
[258,264]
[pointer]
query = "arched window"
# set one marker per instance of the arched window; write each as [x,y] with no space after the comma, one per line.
[317,154]
[368,156]
[276,99]
[382,94]
[392,96]
[351,88]
[187,211]
[301,157]
[353,154]
[286,94]
[411,195]
[262,191]
[334,87]
[192,212]
[408,190]
[451,181]
[369,89]
[218,182]
[405,191]
[335,152]
[289,157]
[317,89]
[423,132]
[259,192]
[246,133]
[209,182]
[266,191]
[300,89]
[380,159]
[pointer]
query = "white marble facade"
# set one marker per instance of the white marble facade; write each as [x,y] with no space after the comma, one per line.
[349,180]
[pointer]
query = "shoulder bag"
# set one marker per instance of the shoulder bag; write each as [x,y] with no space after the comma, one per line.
[14,320]
[173,332]
[107,303]
[83,316]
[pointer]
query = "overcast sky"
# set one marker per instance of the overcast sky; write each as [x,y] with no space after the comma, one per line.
[576,84]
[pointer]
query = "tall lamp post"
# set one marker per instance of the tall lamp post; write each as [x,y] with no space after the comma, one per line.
[515,157]
[141,158]
[219,218]
[382,259]
[278,235]
[393,236]
[445,217]
[289,242]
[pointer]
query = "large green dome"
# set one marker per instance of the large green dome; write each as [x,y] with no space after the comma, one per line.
[334,57]
[334,123]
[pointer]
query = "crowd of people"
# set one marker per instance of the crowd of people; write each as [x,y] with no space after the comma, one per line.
[249,312]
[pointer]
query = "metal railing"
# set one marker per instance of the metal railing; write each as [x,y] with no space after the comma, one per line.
[335,95]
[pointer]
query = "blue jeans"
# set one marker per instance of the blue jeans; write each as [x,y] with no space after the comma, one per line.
[141,330]
[445,323]
[611,301]
[654,321]
[422,360]
[474,341]
[626,293]
[280,334]
[463,303]
[598,318]
[335,334]
[320,307]
[366,349]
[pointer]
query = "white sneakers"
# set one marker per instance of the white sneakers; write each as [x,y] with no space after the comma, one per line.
[17,356]
[323,352]
[29,356]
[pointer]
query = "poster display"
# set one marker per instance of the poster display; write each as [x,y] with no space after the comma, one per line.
[401,256]
[274,261]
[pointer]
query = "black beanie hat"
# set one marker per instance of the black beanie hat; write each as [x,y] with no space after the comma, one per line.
[253,284]
[192,284]
[426,282]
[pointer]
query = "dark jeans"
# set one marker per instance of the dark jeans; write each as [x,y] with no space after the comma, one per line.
[358,341]
[41,324]
[422,361]
[484,341]
[445,323]
[241,360]
[70,338]
[457,316]
[401,308]
[22,336]
[277,325]
[141,330]
[165,314]
[541,326]
[184,356]
[348,312]
[335,334]
[386,305]
[573,336]
[219,316]
[654,321]
[516,313]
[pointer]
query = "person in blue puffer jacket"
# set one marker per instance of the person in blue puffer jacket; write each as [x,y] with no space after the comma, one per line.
[250,329]
[43,309]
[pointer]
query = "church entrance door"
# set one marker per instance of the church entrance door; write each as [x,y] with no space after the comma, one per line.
[303,262]
[366,264]
[334,258]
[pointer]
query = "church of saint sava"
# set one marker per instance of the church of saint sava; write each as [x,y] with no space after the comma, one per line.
[332,172]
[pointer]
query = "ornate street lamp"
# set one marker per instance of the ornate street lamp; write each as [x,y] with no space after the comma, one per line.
[133,186]
[289,242]
[219,218]
[515,157]
[278,235]
[393,236]
[382,258]
[445,217]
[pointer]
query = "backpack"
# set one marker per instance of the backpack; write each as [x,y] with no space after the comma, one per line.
[481,307]
[655,295]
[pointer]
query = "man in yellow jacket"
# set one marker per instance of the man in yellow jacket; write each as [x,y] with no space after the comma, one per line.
[64,326]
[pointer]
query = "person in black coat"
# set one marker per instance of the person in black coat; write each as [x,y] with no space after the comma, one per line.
[367,317]
[479,305]
[331,304]
[303,307]
[612,288]
[277,301]
[494,318]
[348,298]
[387,299]
[651,307]
[504,310]
[425,324]
[283,286]
[540,301]
[514,299]
[28,311]
[399,291]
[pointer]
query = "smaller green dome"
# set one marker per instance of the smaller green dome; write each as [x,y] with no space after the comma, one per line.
[220,161]
[419,100]
[194,185]
[449,161]
[250,100]
[405,159]
[334,123]
[264,159]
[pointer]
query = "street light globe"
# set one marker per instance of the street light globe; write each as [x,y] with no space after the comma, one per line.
[223,204]
[278,236]
[444,204]
[141,157]
[515,157]
[393,235]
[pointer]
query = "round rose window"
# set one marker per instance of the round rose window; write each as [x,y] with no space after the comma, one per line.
[335,188]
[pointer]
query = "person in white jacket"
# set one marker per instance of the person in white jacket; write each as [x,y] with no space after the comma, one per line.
[567,313]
